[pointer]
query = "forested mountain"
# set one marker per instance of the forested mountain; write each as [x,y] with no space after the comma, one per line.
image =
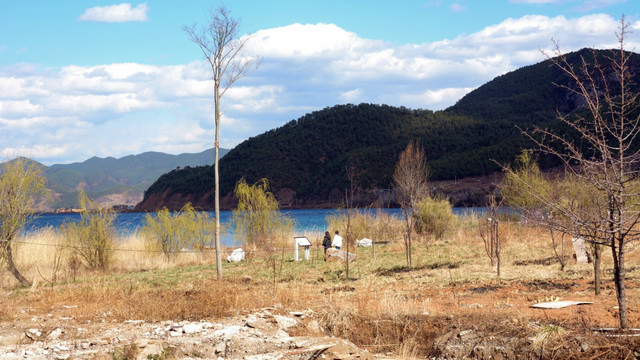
[111,181]
[306,160]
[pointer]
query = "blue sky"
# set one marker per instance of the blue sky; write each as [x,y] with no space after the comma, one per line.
[98,78]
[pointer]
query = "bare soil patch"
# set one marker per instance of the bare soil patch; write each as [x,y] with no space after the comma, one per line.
[475,320]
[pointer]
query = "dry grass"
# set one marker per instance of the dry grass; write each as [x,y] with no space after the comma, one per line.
[383,307]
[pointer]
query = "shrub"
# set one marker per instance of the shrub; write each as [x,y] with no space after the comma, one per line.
[22,184]
[171,232]
[257,219]
[93,237]
[434,216]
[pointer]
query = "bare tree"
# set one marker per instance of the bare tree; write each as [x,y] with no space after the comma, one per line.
[605,157]
[525,186]
[348,198]
[225,51]
[411,185]
[489,233]
[21,186]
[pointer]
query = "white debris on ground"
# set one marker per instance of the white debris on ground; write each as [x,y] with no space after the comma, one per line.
[260,335]
[237,255]
[365,242]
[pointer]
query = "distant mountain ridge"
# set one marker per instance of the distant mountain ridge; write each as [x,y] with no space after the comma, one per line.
[307,160]
[110,181]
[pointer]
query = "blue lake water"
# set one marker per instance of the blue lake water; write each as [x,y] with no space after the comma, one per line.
[305,220]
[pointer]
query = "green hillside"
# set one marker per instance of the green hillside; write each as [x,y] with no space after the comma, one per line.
[310,155]
[124,178]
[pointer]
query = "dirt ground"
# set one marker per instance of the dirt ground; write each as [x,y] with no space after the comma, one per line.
[469,320]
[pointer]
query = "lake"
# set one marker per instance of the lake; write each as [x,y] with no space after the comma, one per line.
[306,220]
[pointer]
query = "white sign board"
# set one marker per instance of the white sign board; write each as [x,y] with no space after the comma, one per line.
[302,241]
[305,243]
[580,248]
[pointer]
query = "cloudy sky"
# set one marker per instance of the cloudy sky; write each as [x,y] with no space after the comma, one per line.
[81,78]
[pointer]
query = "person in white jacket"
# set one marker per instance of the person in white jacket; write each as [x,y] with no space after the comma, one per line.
[337,241]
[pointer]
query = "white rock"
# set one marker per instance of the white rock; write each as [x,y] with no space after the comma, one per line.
[285,322]
[221,348]
[228,331]
[282,335]
[33,334]
[365,242]
[55,334]
[143,343]
[254,321]
[192,328]
[236,255]
[314,327]
[59,347]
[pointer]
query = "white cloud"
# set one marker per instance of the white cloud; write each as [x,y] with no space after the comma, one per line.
[299,41]
[455,7]
[537,1]
[119,109]
[351,96]
[597,4]
[34,152]
[17,107]
[116,13]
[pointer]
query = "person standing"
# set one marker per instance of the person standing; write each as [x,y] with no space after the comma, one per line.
[326,243]
[337,241]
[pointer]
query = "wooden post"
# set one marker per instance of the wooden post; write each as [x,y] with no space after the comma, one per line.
[492,242]
[497,246]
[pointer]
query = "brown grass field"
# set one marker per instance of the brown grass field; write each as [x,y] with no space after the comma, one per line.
[382,307]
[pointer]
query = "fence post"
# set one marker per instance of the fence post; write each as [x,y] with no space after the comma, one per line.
[497,247]
[492,245]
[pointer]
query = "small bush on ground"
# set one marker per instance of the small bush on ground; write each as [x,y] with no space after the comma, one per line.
[258,223]
[434,216]
[171,232]
[93,237]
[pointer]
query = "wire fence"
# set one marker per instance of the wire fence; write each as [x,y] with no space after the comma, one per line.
[210,247]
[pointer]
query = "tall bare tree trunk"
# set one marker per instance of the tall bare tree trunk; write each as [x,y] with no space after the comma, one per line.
[347,236]
[596,268]
[497,247]
[224,49]
[217,181]
[492,242]
[618,278]
[11,266]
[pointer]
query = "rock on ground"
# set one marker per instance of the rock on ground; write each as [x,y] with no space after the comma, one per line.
[260,335]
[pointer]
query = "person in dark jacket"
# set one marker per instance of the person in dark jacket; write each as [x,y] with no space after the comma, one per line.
[326,243]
